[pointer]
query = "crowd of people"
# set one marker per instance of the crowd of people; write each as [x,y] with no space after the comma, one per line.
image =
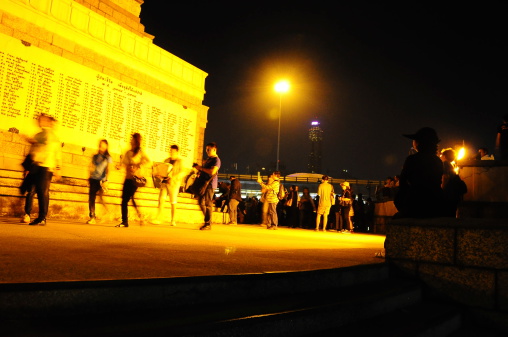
[327,211]
[428,185]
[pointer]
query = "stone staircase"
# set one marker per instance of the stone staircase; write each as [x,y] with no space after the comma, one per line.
[362,300]
[69,200]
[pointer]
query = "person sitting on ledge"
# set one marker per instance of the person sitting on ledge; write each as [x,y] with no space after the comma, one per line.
[420,194]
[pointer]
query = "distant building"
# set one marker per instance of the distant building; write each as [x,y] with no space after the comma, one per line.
[316,141]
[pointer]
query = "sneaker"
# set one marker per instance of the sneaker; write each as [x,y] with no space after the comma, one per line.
[25,218]
[173,223]
[156,222]
[205,227]
[272,227]
[122,225]
[91,221]
[38,222]
[231,223]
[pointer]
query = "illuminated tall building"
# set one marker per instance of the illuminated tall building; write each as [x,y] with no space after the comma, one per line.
[316,141]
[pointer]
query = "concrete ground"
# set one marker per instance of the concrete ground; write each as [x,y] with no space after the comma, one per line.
[76,251]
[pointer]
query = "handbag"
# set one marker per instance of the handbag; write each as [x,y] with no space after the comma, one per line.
[139,181]
[199,186]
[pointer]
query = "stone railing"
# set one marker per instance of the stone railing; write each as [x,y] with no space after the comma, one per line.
[465,260]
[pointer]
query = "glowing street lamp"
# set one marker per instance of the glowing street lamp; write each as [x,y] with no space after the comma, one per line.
[281,87]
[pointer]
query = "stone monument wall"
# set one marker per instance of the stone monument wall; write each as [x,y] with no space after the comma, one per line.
[90,64]
[100,75]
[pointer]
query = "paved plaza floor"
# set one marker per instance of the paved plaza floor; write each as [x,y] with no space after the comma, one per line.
[75,251]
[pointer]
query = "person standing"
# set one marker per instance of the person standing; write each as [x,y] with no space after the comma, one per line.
[307,208]
[502,140]
[346,205]
[132,160]
[293,202]
[271,197]
[170,184]
[420,194]
[28,187]
[98,180]
[47,159]
[235,197]
[326,198]
[210,169]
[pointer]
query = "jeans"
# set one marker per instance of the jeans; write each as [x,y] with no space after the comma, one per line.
[95,186]
[129,189]
[29,200]
[42,178]
[233,210]
[206,204]
[272,214]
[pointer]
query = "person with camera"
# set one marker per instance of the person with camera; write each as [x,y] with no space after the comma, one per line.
[208,174]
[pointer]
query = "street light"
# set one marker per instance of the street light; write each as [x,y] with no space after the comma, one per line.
[281,87]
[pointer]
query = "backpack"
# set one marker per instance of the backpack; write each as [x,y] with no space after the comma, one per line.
[282,192]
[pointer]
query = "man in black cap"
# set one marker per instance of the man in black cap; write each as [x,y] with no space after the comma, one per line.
[420,194]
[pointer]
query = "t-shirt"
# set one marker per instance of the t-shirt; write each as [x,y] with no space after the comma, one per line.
[209,163]
[100,164]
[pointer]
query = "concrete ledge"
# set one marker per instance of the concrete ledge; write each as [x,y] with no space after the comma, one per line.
[465,260]
[74,298]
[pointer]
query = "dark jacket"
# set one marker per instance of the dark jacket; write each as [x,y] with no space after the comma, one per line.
[235,191]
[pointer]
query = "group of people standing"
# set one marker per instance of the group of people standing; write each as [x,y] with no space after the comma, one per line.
[44,161]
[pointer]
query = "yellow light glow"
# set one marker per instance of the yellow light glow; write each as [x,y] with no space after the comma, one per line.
[462,153]
[282,86]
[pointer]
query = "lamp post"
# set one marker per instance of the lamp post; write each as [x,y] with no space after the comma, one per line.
[281,87]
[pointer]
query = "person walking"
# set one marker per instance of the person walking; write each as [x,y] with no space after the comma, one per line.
[326,199]
[170,184]
[272,190]
[99,168]
[235,197]
[209,169]
[133,160]
[47,159]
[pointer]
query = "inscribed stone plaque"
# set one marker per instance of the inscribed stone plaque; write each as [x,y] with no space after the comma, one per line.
[88,105]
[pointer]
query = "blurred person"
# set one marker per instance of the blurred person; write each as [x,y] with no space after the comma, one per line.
[170,184]
[132,160]
[27,188]
[235,197]
[271,198]
[420,194]
[326,199]
[210,169]
[46,154]
[502,140]
[98,181]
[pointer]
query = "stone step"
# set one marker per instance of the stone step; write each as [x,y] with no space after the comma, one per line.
[69,200]
[322,302]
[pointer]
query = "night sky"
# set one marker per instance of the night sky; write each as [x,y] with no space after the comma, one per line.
[368,71]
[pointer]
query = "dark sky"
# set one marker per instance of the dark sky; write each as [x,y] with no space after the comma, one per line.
[369,72]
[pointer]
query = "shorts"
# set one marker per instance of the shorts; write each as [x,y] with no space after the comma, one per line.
[172,192]
[323,209]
